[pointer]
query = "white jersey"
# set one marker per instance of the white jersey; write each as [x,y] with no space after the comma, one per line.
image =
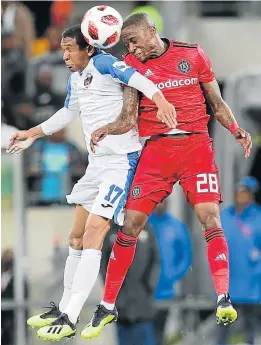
[97,93]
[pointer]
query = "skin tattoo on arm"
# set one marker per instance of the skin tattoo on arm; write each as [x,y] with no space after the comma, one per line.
[129,113]
[221,110]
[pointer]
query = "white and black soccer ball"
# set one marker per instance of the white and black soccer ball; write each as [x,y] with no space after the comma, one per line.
[101,26]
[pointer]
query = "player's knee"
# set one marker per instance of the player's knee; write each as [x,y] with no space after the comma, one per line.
[209,220]
[75,240]
[94,236]
[133,226]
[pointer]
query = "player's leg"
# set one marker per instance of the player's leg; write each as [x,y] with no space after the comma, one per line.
[120,261]
[147,190]
[85,276]
[75,239]
[150,187]
[218,259]
[201,186]
[112,175]
[75,250]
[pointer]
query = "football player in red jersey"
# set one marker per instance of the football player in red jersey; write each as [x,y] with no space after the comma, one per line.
[184,74]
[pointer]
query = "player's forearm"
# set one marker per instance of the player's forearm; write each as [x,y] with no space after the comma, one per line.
[221,110]
[129,113]
[58,121]
[36,132]
[224,115]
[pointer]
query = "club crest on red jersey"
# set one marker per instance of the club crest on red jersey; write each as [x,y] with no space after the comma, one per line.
[88,80]
[184,66]
[135,192]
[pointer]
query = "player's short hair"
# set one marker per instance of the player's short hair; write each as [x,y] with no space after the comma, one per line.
[138,19]
[75,32]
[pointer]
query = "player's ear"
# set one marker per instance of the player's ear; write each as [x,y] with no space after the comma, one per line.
[90,50]
[153,31]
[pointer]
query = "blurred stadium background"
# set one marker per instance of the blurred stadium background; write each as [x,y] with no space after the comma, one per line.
[35,217]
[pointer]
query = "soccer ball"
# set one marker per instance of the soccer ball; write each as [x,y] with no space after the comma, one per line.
[101,26]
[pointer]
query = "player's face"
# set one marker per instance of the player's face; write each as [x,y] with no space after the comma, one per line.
[75,59]
[139,41]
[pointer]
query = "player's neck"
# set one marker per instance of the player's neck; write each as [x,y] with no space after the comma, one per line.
[159,48]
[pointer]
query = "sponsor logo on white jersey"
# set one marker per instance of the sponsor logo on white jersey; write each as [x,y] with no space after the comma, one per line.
[178,82]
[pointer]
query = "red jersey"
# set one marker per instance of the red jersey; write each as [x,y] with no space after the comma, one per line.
[177,73]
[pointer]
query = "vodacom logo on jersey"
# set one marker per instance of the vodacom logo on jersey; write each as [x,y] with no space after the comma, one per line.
[177,82]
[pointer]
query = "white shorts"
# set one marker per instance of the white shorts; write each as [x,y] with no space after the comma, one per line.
[103,190]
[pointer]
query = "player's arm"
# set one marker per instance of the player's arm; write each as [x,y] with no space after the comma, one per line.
[224,115]
[108,65]
[221,110]
[21,140]
[126,120]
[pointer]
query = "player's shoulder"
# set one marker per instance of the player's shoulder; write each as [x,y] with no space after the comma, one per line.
[184,45]
[103,58]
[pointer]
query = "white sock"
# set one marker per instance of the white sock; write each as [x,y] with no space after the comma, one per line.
[71,264]
[109,306]
[220,297]
[83,282]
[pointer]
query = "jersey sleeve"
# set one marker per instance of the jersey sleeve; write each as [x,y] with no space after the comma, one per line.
[71,100]
[109,65]
[206,73]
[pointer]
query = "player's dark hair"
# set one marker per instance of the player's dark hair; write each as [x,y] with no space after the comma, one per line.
[137,19]
[75,32]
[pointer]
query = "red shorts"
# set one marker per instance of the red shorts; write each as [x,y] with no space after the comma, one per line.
[164,161]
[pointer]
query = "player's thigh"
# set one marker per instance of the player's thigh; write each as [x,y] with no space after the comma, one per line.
[96,228]
[151,183]
[78,227]
[200,180]
[112,195]
[116,179]
[86,189]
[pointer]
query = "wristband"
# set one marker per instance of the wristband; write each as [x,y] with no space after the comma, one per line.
[233,127]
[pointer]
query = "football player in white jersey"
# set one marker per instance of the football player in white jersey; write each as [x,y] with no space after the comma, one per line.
[95,91]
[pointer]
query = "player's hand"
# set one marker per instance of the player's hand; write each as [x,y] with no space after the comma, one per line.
[98,135]
[166,111]
[19,142]
[244,139]
[167,114]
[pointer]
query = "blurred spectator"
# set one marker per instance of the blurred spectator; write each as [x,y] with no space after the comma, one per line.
[241,223]
[49,42]
[175,258]
[7,114]
[18,21]
[53,166]
[61,13]
[46,101]
[53,58]
[13,67]
[24,112]
[7,292]
[135,301]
